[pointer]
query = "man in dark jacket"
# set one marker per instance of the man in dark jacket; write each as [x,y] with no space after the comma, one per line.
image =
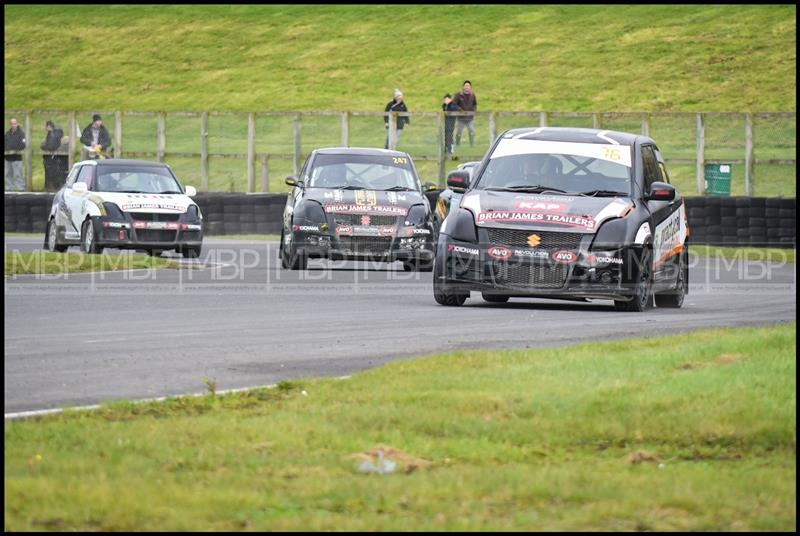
[396,105]
[449,123]
[55,166]
[96,138]
[14,141]
[466,102]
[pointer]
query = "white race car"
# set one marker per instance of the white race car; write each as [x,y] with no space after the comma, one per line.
[127,204]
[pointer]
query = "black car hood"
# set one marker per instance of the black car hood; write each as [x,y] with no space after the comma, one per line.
[542,211]
[364,201]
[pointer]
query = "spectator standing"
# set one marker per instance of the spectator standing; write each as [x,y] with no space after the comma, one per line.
[449,122]
[397,104]
[14,141]
[55,166]
[95,138]
[466,102]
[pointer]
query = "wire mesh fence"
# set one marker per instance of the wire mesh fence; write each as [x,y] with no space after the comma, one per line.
[241,152]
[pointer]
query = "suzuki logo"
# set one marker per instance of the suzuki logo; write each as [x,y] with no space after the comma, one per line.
[364,220]
[534,240]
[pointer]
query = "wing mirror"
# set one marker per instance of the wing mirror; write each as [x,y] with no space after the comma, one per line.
[661,191]
[429,187]
[191,191]
[80,187]
[458,181]
[294,182]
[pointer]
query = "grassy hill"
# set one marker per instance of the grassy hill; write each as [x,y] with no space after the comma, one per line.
[567,58]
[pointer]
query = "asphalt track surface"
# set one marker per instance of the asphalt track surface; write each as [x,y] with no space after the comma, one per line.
[235,317]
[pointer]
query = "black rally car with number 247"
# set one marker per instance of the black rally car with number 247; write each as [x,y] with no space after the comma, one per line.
[565,213]
[357,204]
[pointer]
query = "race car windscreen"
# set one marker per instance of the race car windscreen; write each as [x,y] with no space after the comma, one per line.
[367,172]
[136,179]
[573,168]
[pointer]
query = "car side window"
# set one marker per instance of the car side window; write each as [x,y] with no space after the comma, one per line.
[86,176]
[73,175]
[650,166]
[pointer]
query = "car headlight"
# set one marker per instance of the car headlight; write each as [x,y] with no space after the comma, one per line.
[192,213]
[309,212]
[113,211]
[417,215]
[611,235]
[460,225]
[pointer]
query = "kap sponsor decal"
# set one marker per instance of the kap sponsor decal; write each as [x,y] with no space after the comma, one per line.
[344,230]
[500,253]
[583,222]
[539,206]
[562,256]
[350,208]
[452,248]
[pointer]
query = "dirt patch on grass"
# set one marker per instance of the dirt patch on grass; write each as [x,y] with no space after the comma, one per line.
[405,462]
[731,358]
[642,456]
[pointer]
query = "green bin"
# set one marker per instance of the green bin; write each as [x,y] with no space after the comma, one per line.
[718,179]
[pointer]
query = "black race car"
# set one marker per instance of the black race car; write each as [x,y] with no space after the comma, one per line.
[357,204]
[565,213]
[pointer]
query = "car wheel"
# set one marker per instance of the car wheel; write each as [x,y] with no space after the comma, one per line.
[190,252]
[674,298]
[494,298]
[440,293]
[644,283]
[154,252]
[51,238]
[417,266]
[89,239]
[292,260]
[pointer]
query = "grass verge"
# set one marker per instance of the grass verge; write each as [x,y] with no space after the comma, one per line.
[780,255]
[48,262]
[690,432]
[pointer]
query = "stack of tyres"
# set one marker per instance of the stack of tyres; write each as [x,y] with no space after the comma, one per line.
[23,211]
[787,213]
[247,209]
[10,212]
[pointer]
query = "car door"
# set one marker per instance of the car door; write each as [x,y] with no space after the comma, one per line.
[75,204]
[62,214]
[666,215]
[295,196]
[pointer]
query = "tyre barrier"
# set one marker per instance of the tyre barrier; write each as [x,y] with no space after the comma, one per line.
[718,221]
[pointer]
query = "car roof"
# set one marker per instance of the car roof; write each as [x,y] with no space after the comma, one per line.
[365,151]
[120,161]
[575,135]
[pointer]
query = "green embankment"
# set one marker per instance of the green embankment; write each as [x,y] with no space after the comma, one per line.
[520,58]
[47,262]
[694,432]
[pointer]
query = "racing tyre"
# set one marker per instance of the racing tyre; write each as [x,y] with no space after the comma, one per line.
[51,238]
[154,252]
[417,266]
[89,239]
[674,298]
[494,298]
[441,296]
[292,260]
[190,252]
[642,296]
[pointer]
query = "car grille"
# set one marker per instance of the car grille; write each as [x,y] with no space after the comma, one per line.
[355,219]
[154,216]
[152,235]
[531,275]
[549,240]
[372,245]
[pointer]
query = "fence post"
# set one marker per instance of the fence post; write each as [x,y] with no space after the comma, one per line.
[28,152]
[265,172]
[440,152]
[596,120]
[251,152]
[204,151]
[162,135]
[297,147]
[748,154]
[345,129]
[73,127]
[542,119]
[492,128]
[118,134]
[646,125]
[392,130]
[701,147]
